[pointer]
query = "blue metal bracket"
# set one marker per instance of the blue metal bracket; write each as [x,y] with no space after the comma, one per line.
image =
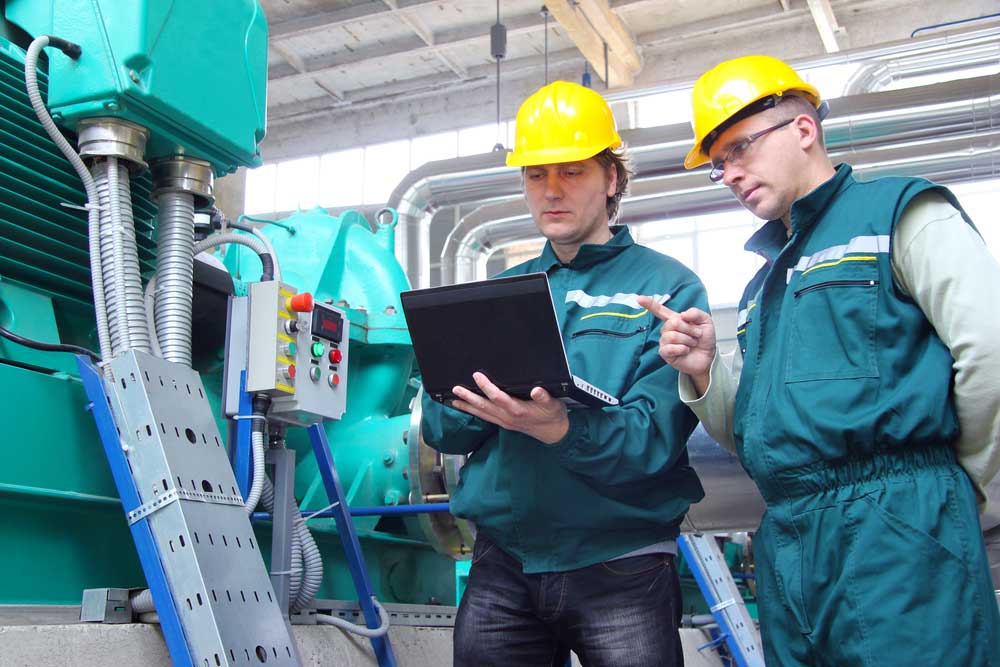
[709,569]
[349,539]
[239,439]
[145,545]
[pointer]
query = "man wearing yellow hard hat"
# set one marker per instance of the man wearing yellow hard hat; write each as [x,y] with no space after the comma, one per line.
[864,396]
[577,510]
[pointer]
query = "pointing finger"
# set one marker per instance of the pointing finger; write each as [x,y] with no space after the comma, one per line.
[657,309]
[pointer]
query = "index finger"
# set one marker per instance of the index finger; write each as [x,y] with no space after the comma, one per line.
[658,310]
[493,392]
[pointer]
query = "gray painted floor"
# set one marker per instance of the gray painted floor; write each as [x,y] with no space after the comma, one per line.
[136,645]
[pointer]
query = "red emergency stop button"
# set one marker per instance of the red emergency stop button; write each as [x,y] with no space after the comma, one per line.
[336,356]
[300,303]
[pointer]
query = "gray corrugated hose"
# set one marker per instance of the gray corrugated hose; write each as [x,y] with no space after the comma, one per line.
[93,216]
[174,275]
[120,259]
[344,624]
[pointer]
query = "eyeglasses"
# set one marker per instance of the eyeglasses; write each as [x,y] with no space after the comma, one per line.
[738,151]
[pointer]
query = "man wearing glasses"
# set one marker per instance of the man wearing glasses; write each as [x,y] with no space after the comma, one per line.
[864,396]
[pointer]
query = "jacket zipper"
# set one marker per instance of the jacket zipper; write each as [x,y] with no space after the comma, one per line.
[837,283]
[605,332]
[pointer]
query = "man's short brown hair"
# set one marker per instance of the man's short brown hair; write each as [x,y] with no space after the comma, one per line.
[616,157]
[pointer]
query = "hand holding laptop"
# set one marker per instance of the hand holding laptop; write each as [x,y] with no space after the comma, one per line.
[543,417]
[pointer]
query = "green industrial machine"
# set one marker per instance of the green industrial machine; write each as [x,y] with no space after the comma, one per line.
[346,263]
[193,73]
[178,87]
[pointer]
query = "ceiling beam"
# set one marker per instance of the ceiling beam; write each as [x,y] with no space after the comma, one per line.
[290,57]
[425,34]
[613,30]
[330,90]
[826,24]
[447,40]
[471,37]
[591,43]
[410,89]
[321,21]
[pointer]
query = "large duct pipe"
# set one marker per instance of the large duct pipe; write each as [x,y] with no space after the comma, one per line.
[484,178]
[979,49]
[947,132]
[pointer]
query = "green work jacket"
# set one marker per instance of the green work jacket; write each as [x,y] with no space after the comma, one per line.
[619,480]
[839,366]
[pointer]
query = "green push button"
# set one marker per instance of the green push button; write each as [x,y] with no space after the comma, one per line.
[315,374]
[317,349]
[292,349]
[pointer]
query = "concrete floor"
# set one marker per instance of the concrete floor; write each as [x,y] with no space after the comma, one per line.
[40,638]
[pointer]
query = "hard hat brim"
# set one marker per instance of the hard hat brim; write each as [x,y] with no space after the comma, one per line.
[557,155]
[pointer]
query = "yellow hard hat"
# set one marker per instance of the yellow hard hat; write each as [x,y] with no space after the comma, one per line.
[721,93]
[562,122]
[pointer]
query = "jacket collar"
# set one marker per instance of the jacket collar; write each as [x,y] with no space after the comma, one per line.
[772,237]
[589,253]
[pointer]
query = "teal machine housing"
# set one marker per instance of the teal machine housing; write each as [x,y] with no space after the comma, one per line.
[193,74]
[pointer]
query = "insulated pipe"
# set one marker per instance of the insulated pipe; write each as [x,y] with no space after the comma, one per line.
[174,275]
[978,49]
[947,132]
[484,178]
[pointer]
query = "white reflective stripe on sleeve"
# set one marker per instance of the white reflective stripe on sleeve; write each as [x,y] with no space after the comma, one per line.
[585,300]
[870,244]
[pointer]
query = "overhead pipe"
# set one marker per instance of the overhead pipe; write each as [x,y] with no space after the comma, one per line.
[485,178]
[947,132]
[881,73]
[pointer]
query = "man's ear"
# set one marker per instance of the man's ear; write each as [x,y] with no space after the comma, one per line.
[808,131]
[612,175]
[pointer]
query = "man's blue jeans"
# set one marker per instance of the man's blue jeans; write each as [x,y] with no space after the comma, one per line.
[623,613]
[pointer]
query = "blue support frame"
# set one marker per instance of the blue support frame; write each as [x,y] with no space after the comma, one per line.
[706,590]
[239,439]
[349,539]
[145,544]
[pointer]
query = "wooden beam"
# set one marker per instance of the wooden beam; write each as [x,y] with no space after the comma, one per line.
[826,24]
[591,44]
[614,32]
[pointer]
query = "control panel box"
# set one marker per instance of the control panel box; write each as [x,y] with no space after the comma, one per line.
[321,349]
[296,352]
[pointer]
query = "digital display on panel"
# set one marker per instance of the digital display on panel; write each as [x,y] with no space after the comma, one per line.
[328,324]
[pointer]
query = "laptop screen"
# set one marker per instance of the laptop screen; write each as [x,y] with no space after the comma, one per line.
[506,328]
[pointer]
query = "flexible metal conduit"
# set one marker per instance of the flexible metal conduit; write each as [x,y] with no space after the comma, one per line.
[93,217]
[175,275]
[484,178]
[120,259]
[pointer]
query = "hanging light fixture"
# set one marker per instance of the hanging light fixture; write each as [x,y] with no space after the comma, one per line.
[545,15]
[498,49]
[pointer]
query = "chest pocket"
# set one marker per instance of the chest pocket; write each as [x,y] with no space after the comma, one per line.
[833,333]
[605,350]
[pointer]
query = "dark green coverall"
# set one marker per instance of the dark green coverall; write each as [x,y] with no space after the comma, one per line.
[870,552]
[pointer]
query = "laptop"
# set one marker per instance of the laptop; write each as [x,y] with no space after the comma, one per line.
[505,328]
